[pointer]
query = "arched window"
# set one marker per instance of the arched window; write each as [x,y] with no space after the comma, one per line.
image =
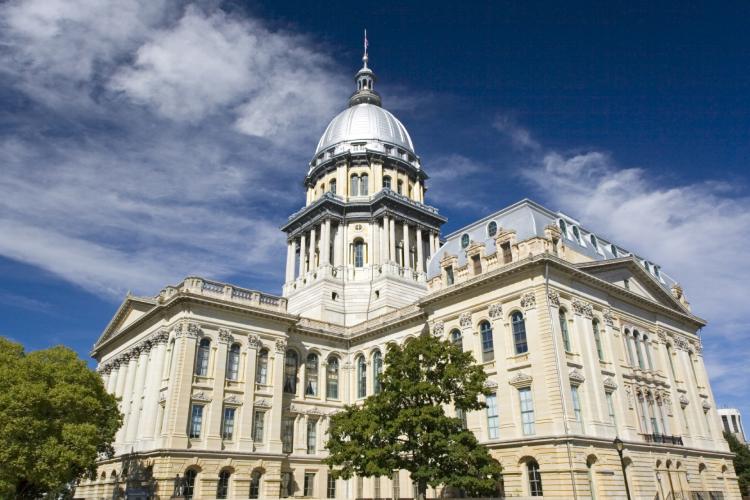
[363,184]
[332,378]
[465,241]
[387,182]
[638,353]
[535,478]
[354,186]
[222,488]
[359,253]
[361,377]
[564,329]
[488,345]
[591,477]
[377,370]
[492,229]
[563,227]
[400,187]
[311,375]
[332,186]
[201,361]
[519,333]
[233,362]
[628,339]
[261,370]
[456,338]
[291,362]
[598,339]
[255,484]
[577,233]
[647,348]
[190,476]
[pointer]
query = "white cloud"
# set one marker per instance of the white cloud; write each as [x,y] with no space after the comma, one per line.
[519,136]
[455,182]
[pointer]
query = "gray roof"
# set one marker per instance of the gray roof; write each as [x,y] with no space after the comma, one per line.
[529,219]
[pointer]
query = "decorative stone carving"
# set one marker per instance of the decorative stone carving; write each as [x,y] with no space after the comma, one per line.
[667,403]
[194,330]
[662,335]
[576,376]
[554,298]
[465,320]
[200,396]
[680,343]
[294,409]
[609,319]
[225,336]
[438,328]
[684,401]
[698,346]
[629,395]
[314,411]
[490,384]
[280,346]
[496,311]
[706,405]
[528,300]
[253,342]
[262,403]
[232,400]
[162,398]
[521,379]
[609,384]
[582,308]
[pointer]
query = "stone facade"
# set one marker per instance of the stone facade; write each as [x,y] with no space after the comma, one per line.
[231,390]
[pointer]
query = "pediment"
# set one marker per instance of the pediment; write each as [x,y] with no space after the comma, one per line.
[628,274]
[131,309]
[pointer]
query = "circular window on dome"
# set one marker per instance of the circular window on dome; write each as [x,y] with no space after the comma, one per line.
[464,241]
[492,229]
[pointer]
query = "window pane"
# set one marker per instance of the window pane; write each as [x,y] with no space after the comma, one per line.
[361,378]
[233,362]
[201,362]
[312,426]
[258,425]
[564,330]
[311,375]
[377,369]
[535,479]
[488,348]
[354,186]
[290,372]
[598,340]
[332,389]
[228,423]
[519,333]
[527,410]
[492,418]
[287,437]
[196,421]
[261,371]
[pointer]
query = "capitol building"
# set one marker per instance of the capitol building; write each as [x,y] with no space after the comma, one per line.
[228,392]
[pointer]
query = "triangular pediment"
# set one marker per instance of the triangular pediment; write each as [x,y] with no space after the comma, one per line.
[131,309]
[627,273]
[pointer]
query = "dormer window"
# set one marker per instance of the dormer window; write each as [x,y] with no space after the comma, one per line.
[387,182]
[449,275]
[613,249]
[563,227]
[492,229]
[594,242]
[465,241]
[577,234]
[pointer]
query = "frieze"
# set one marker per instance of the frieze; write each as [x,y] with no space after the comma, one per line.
[465,320]
[582,308]
[610,384]
[225,336]
[554,298]
[496,310]
[438,328]
[528,300]
[280,346]
[314,411]
[521,380]
[576,376]
[253,342]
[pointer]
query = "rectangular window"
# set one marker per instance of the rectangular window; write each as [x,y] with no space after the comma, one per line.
[309,485]
[576,403]
[331,487]
[493,424]
[259,418]
[461,415]
[507,253]
[449,275]
[196,421]
[476,261]
[227,424]
[287,436]
[611,408]
[527,410]
[312,426]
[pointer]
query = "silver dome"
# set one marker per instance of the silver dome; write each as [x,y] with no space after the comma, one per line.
[363,123]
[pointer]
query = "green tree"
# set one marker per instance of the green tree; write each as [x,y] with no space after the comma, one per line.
[741,462]
[55,419]
[405,425]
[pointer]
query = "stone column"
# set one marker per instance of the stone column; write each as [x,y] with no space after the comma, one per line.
[127,395]
[407,253]
[313,242]
[383,239]
[290,261]
[122,374]
[137,395]
[300,434]
[244,426]
[216,408]
[392,239]
[325,243]
[274,419]
[374,245]
[302,253]
[420,251]
[337,246]
[180,385]
[112,380]
[153,386]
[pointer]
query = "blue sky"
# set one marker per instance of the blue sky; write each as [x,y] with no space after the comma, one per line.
[143,141]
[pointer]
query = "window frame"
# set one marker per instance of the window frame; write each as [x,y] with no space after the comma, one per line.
[203,357]
[227,425]
[526,405]
[518,327]
[233,362]
[488,341]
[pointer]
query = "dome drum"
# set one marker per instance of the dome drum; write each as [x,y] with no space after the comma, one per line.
[330,160]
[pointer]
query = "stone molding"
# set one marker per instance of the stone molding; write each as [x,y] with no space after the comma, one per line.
[280,346]
[582,308]
[521,380]
[609,319]
[496,311]
[253,342]
[684,401]
[528,300]
[609,384]
[144,346]
[225,336]
[262,403]
[576,376]
[465,320]
[232,401]
[438,328]
[200,396]
[706,405]
[554,298]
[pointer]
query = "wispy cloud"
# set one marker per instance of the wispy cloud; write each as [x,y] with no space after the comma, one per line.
[520,137]
[144,150]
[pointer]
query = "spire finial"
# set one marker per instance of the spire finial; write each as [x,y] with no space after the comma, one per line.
[364,57]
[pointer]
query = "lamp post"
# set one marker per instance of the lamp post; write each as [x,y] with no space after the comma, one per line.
[619,446]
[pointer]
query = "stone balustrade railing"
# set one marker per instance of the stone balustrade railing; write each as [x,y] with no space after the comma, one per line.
[200,286]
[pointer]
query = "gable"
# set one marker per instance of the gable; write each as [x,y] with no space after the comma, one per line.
[625,278]
[129,312]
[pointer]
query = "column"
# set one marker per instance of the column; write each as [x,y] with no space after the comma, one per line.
[302,252]
[344,244]
[213,416]
[420,251]
[122,374]
[245,420]
[385,241]
[373,247]
[112,380]
[127,395]
[137,396]
[325,243]
[392,239]
[311,257]
[180,386]
[407,254]
[153,388]
[274,419]
[290,261]
[337,246]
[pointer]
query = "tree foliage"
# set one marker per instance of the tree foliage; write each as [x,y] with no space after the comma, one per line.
[55,419]
[405,425]
[741,462]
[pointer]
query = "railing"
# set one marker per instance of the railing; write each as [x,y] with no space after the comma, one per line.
[225,291]
[663,439]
